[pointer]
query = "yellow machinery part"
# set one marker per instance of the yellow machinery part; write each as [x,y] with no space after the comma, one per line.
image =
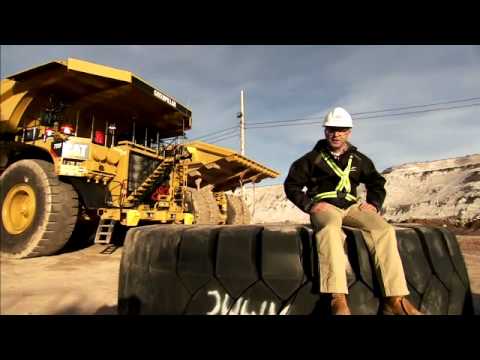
[19,207]
[113,157]
[133,217]
[188,218]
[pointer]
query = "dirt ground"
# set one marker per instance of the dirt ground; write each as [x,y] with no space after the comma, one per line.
[85,281]
[79,282]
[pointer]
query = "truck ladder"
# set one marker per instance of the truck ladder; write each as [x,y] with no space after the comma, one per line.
[105,231]
[147,183]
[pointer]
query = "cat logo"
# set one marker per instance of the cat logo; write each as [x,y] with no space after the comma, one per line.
[73,150]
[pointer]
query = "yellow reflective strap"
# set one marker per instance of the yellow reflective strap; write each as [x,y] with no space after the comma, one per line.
[335,168]
[333,194]
[332,165]
[329,194]
[339,186]
[326,193]
[344,182]
[348,187]
[342,174]
[351,197]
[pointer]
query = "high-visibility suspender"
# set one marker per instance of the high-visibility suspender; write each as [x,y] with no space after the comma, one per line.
[343,187]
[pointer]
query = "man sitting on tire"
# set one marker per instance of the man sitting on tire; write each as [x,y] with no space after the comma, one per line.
[331,173]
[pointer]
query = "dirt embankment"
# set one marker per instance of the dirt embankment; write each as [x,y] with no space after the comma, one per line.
[447,191]
[471,228]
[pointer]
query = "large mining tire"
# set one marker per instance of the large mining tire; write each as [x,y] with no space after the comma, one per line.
[237,211]
[38,211]
[273,270]
[203,206]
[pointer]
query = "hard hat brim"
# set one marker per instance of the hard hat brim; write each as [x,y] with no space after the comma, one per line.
[337,126]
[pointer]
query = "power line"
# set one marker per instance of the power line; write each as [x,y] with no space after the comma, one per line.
[417,106]
[421,111]
[368,117]
[219,141]
[224,138]
[283,121]
[212,137]
[215,138]
[282,125]
[370,112]
[213,133]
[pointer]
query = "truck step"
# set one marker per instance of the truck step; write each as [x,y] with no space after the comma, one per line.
[105,231]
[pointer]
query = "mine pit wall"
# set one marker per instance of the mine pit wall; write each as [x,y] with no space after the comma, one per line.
[445,190]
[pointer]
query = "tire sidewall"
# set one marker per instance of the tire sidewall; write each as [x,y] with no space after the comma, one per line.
[230,210]
[22,172]
[196,206]
[189,202]
[234,215]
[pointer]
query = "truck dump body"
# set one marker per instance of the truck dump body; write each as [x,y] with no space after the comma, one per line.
[224,168]
[111,94]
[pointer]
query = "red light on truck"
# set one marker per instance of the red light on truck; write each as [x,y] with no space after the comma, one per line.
[67,129]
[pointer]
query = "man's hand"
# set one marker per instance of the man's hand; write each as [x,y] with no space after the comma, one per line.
[320,206]
[368,207]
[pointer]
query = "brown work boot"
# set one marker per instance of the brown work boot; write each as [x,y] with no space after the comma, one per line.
[399,305]
[339,305]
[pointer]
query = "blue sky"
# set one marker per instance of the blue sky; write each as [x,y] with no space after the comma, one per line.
[291,82]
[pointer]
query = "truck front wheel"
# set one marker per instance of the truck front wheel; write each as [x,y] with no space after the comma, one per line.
[38,211]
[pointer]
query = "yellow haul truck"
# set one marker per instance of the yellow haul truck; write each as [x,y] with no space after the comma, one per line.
[80,140]
[222,170]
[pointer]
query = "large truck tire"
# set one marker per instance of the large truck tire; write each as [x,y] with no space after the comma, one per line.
[214,210]
[197,205]
[237,211]
[247,218]
[258,269]
[203,206]
[38,211]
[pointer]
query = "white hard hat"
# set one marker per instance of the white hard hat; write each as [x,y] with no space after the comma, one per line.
[338,117]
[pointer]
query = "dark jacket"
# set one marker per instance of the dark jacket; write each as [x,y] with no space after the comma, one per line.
[312,172]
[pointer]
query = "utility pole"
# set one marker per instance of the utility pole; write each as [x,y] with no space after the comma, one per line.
[241,115]
[242,125]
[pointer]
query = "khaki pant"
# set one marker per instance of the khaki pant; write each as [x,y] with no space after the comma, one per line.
[380,240]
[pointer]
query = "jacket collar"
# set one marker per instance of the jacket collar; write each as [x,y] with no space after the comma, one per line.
[323,145]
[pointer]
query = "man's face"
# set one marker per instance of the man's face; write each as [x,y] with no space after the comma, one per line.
[337,137]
